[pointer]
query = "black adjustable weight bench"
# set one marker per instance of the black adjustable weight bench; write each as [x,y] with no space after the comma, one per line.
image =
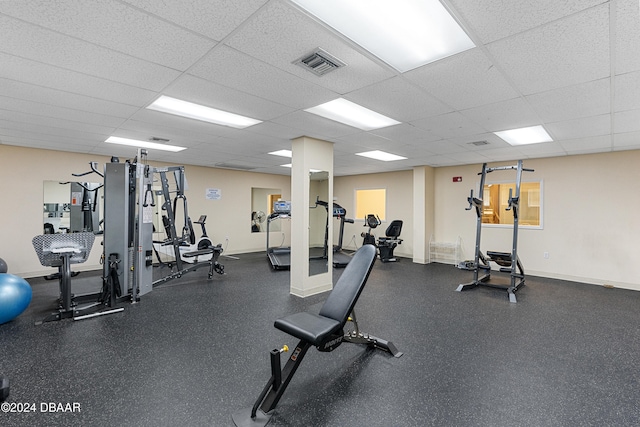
[323,330]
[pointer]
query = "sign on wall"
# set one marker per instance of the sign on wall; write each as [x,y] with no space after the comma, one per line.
[213,194]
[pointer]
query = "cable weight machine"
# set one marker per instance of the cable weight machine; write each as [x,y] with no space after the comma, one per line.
[509,262]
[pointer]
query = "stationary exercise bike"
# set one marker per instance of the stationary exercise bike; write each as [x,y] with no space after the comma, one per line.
[385,244]
[197,245]
[372,221]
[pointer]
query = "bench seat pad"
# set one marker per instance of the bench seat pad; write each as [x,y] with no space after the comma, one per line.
[309,327]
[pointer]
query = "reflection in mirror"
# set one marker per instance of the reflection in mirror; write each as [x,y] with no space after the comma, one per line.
[262,200]
[318,223]
[71,207]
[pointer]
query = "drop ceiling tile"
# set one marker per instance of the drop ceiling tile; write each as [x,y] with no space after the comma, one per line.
[55,126]
[627,91]
[544,149]
[449,125]
[47,130]
[413,151]
[399,99]
[363,141]
[465,157]
[587,145]
[48,144]
[46,111]
[200,91]
[54,97]
[280,34]
[462,81]
[314,126]
[228,67]
[114,25]
[275,130]
[42,45]
[580,128]
[406,133]
[223,145]
[627,121]
[627,34]
[566,52]
[439,147]
[495,19]
[212,18]
[572,102]
[36,73]
[502,155]
[511,114]
[626,141]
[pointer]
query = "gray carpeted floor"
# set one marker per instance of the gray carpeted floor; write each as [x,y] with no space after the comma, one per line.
[194,351]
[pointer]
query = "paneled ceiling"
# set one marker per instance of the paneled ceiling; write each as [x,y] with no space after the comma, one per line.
[74,72]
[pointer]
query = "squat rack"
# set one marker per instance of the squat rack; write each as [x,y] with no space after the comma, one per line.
[509,262]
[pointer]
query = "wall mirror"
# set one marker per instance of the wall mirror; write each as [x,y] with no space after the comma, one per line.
[262,200]
[71,207]
[318,215]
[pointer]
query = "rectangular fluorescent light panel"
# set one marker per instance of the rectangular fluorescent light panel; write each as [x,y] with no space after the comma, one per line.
[190,110]
[405,34]
[143,144]
[283,153]
[524,136]
[352,114]
[381,155]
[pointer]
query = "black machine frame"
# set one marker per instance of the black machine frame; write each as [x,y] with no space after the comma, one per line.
[509,262]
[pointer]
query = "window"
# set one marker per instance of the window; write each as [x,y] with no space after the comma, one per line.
[372,201]
[496,201]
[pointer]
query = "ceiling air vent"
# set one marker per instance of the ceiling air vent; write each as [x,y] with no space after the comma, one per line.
[156,139]
[478,143]
[319,62]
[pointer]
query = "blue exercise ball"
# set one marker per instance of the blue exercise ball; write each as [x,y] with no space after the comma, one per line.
[15,296]
[3,266]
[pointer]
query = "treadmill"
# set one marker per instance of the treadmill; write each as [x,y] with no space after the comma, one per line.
[279,257]
[340,259]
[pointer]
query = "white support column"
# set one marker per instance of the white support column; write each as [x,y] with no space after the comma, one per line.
[309,154]
[423,212]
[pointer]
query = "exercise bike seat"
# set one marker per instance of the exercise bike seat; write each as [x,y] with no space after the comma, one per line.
[393,231]
[318,328]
